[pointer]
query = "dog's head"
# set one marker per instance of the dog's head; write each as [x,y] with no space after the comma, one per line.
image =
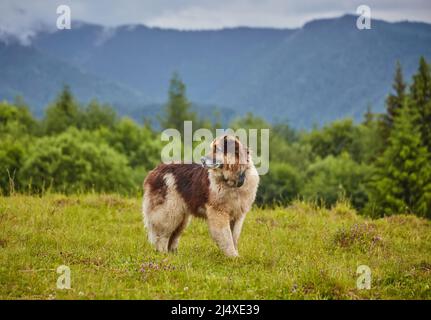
[228,160]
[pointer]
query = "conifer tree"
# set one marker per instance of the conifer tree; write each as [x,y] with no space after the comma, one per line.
[421,100]
[63,113]
[402,183]
[368,116]
[178,108]
[395,101]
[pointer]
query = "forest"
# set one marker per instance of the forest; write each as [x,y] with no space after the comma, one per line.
[381,166]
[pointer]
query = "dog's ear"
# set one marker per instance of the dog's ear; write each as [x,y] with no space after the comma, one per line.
[225,144]
[247,154]
[230,145]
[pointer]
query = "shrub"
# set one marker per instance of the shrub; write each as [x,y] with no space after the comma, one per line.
[280,185]
[333,178]
[71,163]
[11,157]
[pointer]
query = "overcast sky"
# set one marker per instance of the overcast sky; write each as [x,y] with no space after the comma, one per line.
[23,16]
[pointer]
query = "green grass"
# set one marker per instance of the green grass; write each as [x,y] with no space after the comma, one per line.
[299,252]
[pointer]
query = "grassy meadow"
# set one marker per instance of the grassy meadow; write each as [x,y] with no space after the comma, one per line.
[298,252]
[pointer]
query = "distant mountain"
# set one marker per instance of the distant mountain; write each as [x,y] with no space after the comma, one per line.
[329,69]
[325,70]
[38,78]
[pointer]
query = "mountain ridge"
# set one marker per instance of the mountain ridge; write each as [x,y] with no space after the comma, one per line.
[325,70]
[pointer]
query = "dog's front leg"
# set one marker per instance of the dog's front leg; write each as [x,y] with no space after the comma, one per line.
[236,227]
[219,226]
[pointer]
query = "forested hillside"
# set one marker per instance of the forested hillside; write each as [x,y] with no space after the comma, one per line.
[381,166]
[324,71]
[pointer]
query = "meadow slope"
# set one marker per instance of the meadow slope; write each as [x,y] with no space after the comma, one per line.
[286,253]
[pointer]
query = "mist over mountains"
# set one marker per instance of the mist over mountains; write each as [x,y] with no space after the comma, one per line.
[327,69]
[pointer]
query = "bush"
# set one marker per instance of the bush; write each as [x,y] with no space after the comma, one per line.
[332,139]
[335,177]
[11,157]
[279,186]
[139,144]
[70,162]
[16,120]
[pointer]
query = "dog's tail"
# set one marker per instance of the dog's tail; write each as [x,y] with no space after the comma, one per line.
[147,222]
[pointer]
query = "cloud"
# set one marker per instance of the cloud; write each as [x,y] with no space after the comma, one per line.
[26,17]
[215,15]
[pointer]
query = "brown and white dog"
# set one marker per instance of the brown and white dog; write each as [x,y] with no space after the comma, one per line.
[221,190]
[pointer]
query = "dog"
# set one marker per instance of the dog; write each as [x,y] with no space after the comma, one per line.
[221,190]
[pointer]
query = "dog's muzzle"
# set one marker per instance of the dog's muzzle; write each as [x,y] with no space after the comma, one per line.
[210,163]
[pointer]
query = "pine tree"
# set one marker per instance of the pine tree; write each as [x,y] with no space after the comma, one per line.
[421,100]
[368,116]
[63,113]
[402,183]
[394,102]
[178,108]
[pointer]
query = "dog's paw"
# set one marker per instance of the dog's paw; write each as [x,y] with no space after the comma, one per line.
[232,254]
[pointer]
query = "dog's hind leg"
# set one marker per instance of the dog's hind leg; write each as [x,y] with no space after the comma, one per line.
[164,227]
[157,238]
[162,243]
[175,236]
[158,232]
[164,215]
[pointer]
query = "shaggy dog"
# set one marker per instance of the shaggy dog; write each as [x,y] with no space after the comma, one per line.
[221,190]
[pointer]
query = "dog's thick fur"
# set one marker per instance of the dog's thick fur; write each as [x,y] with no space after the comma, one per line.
[222,195]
